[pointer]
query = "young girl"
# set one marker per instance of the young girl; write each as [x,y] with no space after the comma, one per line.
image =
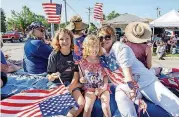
[93,76]
[61,62]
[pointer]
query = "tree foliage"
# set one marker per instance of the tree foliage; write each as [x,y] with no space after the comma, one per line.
[3,21]
[19,21]
[112,15]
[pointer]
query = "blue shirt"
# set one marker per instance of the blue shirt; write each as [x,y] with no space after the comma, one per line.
[36,54]
[3,61]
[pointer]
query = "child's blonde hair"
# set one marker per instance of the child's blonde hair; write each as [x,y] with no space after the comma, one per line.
[88,42]
[55,42]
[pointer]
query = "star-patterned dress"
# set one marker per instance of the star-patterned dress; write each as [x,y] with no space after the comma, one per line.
[94,74]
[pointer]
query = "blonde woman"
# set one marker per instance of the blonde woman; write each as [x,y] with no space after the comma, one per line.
[93,77]
[36,51]
[61,65]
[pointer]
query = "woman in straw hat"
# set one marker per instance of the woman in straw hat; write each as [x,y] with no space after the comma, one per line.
[131,77]
[77,27]
[141,46]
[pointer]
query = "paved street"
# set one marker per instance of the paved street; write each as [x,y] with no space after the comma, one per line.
[15,50]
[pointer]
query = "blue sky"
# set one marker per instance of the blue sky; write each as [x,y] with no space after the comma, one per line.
[141,8]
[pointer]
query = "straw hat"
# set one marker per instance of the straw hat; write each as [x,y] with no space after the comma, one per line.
[76,24]
[138,32]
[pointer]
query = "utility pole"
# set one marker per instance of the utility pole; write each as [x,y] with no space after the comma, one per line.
[89,15]
[52,26]
[158,12]
[65,12]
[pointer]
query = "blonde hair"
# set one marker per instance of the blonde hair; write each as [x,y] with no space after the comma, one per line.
[55,41]
[109,30]
[88,42]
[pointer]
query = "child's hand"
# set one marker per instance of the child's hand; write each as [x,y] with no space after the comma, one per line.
[83,80]
[99,91]
[70,88]
[53,76]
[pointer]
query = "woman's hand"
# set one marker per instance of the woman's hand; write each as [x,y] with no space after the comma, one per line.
[4,68]
[83,80]
[53,76]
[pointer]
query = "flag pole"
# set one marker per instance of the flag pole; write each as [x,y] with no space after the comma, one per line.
[52,26]
[65,12]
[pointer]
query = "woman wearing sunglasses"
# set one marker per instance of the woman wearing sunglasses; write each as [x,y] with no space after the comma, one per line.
[36,51]
[131,77]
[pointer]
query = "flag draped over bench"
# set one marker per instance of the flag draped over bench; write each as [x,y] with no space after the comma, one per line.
[38,103]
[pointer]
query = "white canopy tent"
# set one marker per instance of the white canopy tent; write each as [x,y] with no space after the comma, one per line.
[171,19]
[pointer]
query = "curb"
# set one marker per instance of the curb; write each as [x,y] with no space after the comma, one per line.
[170,58]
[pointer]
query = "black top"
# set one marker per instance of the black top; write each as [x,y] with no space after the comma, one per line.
[62,63]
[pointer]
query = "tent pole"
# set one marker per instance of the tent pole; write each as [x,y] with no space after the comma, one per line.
[153,32]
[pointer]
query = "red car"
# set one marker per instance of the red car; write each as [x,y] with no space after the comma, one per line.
[12,36]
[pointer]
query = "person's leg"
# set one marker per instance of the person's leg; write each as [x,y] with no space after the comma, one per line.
[80,100]
[90,98]
[124,103]
[105,99]
[160,95]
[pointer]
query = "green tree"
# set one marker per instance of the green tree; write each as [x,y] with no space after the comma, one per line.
[3,21]
[20,21]
[92,28]
[112,15]
[104,17]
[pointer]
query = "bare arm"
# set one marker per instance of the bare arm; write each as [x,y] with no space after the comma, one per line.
[74,81]
[149,57]
[128,74]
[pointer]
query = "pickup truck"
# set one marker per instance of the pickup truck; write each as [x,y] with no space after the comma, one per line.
[12,36]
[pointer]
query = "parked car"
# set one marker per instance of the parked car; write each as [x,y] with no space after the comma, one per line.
[12,36]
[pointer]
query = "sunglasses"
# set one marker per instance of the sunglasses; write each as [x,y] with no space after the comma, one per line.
[106,37]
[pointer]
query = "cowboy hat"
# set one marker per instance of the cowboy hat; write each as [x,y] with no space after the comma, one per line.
[76,24]
[138,32]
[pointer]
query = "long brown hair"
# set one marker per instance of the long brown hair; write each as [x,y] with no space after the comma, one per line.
[55,41]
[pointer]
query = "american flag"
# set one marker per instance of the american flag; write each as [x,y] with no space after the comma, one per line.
[39,103]
[53,12]
[98,11]
[112,69]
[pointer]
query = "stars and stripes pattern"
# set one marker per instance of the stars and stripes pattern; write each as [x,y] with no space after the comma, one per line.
[98,11]
[112,68]
[53,12]
[38,103]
